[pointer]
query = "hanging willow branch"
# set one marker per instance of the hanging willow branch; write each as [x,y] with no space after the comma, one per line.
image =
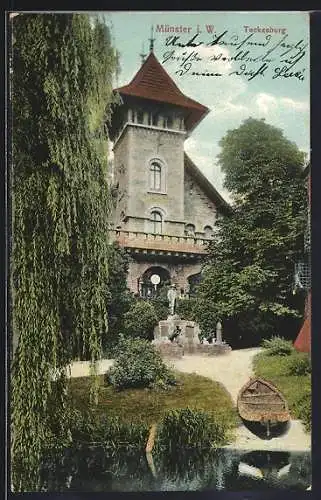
[62,71]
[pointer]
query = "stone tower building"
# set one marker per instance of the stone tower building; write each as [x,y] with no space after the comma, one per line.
[166,208]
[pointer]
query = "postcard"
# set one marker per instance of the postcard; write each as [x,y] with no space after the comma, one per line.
[159,335]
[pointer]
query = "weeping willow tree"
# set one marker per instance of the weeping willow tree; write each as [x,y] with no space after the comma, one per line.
[62,72]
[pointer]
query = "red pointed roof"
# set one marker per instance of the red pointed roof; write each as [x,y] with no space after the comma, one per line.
[154,83]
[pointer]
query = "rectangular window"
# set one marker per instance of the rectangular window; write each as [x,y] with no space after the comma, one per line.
[168,122]
[140,116]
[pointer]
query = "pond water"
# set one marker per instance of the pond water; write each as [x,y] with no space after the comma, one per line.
[224,469]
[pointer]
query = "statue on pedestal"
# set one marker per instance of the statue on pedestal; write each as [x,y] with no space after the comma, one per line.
[177,332]
[171,296]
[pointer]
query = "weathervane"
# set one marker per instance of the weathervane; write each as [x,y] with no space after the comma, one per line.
[152,40]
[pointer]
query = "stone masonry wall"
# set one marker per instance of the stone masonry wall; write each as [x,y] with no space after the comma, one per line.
[199,209]
[121,177]
[145,145]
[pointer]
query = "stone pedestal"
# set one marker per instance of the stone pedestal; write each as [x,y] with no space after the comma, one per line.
[215,349]
[169,349]
[187,342]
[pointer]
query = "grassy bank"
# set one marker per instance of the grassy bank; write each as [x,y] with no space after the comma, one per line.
[150,405]
[295,388]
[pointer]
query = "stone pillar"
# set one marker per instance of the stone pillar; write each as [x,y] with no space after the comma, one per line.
[219,332]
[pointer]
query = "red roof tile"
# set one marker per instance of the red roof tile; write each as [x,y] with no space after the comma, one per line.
[153,82]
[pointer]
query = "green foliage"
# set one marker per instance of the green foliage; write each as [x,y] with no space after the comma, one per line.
[295,388]
[248,277]
[299,364]
[160,305]
[138,364]
[257,144]
[185,309]
[109,431]
[120,299]
[303,409]
[188,428]
[140,320]
[62,70]
[278,346]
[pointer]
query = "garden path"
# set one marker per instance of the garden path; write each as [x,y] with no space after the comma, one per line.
[82,368]
[233,369]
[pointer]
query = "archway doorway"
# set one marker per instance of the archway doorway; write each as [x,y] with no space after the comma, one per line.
[193,282]
[147,288]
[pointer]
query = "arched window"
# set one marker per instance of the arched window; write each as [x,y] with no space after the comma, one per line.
[189,230]
[157,222]
[155,172]
[208,231]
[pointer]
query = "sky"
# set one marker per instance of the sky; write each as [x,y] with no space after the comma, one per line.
[280,94]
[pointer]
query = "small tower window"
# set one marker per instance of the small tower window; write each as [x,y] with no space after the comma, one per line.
[189,230]
[168,122]
[208,231]
[155,171]
[157,222]
[153,119]
[140,116]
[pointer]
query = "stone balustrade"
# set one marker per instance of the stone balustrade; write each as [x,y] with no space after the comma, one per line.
[160,242]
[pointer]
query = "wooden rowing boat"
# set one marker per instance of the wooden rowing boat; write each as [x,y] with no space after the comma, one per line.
[260,401]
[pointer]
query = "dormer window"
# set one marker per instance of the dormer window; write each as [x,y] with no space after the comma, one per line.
[155,172]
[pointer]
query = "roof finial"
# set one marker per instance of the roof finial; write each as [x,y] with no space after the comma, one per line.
[142,54]
[151,45]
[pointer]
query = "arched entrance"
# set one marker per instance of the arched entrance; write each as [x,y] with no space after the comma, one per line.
[193,282]
[146,288]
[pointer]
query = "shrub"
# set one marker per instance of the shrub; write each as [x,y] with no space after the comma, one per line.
[160,305]
[278,346]
[140,320]
[87,428]
[185,309]
[302,408]
[298,364]
[137,365]
[187,428]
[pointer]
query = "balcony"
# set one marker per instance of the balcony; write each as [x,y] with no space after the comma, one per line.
[160,244]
